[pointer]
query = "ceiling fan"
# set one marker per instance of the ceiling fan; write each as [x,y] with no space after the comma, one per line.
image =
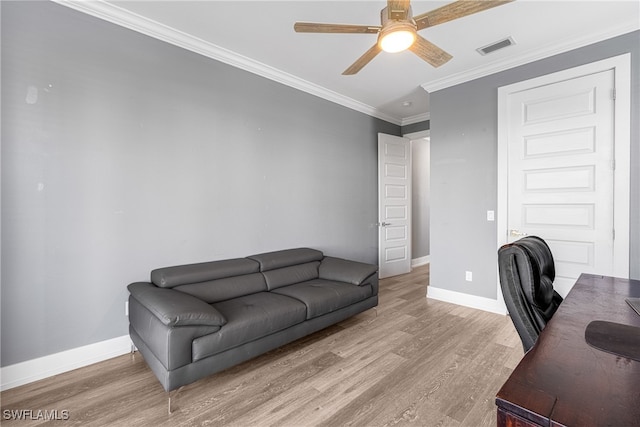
[398,29]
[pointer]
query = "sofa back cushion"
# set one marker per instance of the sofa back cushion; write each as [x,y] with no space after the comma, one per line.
[289,275]
[213,291]
[289,266]
[285,258]
[213,281]
[168,277]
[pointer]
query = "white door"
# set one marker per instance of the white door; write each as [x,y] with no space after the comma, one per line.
[561,172]
[394,205]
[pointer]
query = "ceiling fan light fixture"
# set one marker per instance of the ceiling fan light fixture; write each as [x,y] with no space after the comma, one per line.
[398,30]
[397,36]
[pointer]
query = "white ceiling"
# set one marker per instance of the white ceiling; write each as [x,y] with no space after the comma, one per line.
[258,36]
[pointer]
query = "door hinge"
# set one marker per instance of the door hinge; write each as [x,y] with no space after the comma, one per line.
[613,233]
[613,94]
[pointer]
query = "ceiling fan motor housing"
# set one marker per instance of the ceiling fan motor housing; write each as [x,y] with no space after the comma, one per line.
[395,23]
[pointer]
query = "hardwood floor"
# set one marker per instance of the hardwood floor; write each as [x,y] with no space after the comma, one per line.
[410,361]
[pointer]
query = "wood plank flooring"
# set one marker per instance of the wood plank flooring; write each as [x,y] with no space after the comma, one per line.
[411,361]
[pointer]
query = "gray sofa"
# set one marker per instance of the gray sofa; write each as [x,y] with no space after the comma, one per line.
[194,320]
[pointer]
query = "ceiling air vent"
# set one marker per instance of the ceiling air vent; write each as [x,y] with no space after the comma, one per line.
[496,46]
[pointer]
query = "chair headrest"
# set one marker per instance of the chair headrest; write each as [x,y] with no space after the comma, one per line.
[536,266]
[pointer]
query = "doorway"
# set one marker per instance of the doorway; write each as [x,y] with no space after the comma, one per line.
[403,191]
[420,206]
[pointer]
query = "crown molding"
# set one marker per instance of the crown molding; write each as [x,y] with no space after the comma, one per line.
[535,55]
[415,119]
[124,18]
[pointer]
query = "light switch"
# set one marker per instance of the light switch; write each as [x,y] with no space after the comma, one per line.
[491,216]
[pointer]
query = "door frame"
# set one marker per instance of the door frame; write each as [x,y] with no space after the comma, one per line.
[412,136]
[621,66]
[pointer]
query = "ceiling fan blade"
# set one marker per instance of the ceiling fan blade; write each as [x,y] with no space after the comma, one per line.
[429,52]
[362,61]
[312,27]
[453,11]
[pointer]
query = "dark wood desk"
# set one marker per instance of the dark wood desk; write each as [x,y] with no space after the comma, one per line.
[562,380]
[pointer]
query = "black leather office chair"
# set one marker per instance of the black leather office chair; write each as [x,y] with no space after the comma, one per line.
[527,272]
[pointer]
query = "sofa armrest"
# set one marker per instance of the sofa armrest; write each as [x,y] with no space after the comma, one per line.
[175,308]
[343,270]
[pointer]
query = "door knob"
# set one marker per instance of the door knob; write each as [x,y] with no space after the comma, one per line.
[384,224]
[517,233]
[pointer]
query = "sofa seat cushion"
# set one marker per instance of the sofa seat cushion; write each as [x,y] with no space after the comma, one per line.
[249,318]
[324,296]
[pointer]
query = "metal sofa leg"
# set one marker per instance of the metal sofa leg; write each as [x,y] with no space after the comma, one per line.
[173,394]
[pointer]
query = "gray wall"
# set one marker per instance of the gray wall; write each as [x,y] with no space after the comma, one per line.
[415,127]
[121,153]
[464,168]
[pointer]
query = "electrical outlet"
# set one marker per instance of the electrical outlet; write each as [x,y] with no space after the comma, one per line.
[468,276]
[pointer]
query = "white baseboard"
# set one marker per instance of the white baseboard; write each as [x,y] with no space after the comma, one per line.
[417,262]
[47,366]
[481,303]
